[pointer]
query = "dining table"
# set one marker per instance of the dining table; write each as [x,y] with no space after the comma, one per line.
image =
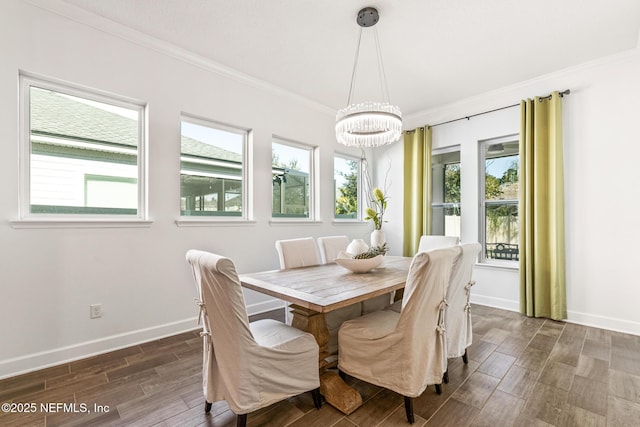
[315,290]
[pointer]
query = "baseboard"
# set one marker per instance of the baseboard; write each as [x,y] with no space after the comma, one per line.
[604,322]
[45,359]
[494,302]
[263,307]
[36,361]
[585,319]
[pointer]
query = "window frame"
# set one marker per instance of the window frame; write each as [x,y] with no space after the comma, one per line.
[360,192]
[247,208]
[313,191]
[28,218]
[445,205]
[483,202]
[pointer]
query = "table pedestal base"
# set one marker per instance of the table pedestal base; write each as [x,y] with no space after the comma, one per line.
[338,394]
[335,391]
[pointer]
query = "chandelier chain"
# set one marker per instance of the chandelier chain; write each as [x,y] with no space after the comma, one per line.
[355,68]
[384,88]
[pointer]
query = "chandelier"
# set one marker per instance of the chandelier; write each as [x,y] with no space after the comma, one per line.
[371,123]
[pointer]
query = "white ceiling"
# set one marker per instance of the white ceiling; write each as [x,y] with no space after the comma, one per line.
[435,51]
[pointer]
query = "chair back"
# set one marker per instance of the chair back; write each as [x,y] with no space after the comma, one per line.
[429,243]
[330,246]
[421,321]
[223,310]
[297,252]
[457,317]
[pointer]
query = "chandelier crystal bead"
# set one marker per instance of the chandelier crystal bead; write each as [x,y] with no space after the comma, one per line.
[368,124]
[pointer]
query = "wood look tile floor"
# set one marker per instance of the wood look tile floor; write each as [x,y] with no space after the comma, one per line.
[521,372]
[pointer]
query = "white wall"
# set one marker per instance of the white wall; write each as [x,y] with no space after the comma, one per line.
[50,276]
[601,176]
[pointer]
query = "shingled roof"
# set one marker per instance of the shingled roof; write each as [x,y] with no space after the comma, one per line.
[60,116]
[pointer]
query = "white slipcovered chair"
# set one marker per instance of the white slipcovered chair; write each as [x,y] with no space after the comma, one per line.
[331,246]
[405,351]
[457,318]
[301,253]
[295,253]
[250,365]
[430,242]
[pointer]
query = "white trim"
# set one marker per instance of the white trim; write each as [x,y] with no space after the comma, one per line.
[292,221]
[314,181]
[604,322]
[212,221]
[360,185]
[107,26]
[349,221]
[586,319]
[482,208]
[45,359]
[245,166]
[495,302]
[496,265]
[80,223]
[27,80]
[265,306]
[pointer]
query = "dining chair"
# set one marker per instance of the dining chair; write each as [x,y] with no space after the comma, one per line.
[427,243]
[431,242]
[404,351]
[331,246]
[293,253]
[250,365]
[457,317]
[303,252]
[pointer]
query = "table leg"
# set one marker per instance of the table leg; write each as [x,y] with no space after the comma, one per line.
[336,392]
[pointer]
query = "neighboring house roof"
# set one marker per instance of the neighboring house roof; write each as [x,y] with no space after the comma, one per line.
[60,116]
[193,147]
[53,114]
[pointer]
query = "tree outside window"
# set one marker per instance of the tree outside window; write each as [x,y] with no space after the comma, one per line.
[501,188]
[346,184]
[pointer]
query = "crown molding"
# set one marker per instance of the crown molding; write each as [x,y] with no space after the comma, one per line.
[505,95]
[113,28]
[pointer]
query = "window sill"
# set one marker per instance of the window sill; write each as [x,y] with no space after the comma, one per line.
[212,222]
[80,223]
[350,222]
[511,266]
[289,221]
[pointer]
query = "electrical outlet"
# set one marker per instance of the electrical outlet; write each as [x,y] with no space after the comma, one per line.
[95,311]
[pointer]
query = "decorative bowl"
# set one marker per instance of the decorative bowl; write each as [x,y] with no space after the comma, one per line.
[359,265]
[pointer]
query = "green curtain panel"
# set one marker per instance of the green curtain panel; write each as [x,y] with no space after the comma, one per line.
[542,246]
[417,187]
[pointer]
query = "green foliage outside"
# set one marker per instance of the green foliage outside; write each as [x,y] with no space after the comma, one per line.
[347,202]
[452,183]
[502,219]
[295,194]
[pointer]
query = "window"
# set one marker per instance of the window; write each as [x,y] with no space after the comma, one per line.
[346,182]
[212,182]
[499,185]
[291,179]
[81,153]
[445,190]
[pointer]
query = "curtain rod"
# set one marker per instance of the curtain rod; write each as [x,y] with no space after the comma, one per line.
[562,94]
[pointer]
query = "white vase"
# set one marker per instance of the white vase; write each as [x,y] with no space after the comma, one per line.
[377,238]
[357,246]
